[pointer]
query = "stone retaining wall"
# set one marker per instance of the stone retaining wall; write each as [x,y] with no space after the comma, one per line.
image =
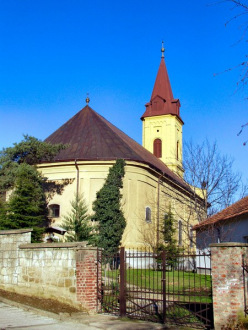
[55,270]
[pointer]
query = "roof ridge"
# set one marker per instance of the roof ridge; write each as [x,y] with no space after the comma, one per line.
[225,214]
[229,207]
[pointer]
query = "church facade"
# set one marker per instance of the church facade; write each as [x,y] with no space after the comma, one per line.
[153,181]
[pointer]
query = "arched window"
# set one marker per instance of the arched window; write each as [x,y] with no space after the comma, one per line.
[54,210]
[180,233]
[157,148]
[148,214]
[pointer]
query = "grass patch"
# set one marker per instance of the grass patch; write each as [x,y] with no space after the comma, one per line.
[180,284]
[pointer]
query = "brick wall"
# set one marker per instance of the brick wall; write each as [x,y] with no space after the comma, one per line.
[227,277]
[63,271]
[87,278]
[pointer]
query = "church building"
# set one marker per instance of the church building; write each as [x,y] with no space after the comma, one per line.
[153,181]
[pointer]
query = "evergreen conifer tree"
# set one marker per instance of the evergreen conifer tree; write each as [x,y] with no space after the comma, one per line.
[169,244]
[107,207]
[77,222]
[27,207]
[29,151]
[3,213]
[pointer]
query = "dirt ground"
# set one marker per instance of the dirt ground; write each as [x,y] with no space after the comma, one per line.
[49,305]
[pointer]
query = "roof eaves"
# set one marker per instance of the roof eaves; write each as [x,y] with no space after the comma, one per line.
[210,222]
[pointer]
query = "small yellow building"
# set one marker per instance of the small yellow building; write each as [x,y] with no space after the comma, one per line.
[153,180]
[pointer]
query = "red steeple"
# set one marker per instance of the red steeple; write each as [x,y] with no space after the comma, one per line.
[162,101]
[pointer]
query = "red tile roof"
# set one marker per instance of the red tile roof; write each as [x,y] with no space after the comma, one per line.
[92,137]
[236,209]
[162,101]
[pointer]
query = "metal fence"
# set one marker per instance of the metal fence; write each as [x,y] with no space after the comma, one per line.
[245,284]
[160,287]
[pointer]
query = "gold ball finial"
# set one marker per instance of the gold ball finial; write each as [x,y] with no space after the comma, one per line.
[162,49]
[87,99]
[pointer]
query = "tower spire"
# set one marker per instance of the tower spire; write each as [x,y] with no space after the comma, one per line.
[162,124]
[162,101]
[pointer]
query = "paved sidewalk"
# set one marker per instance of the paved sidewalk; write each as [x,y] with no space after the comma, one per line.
[12,317]
[22,317]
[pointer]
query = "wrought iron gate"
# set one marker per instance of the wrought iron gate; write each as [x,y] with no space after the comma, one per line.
[161,288]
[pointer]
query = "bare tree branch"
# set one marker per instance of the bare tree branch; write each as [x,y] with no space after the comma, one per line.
[238,5]
[212,174]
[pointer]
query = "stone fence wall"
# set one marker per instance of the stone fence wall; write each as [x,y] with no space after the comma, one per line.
[228,282]
[68,272]
[62,271]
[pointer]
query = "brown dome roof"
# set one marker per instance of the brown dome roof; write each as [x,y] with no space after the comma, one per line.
[92,137]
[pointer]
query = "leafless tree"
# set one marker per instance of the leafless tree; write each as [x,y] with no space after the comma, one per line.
[186,206]
[213,185]
[242,126]
[239,12]
[212,176]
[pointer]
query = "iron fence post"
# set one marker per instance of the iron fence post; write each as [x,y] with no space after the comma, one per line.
[164,284]
[98,281]
[122,283]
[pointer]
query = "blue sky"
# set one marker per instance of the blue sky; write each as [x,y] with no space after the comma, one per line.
[53,52]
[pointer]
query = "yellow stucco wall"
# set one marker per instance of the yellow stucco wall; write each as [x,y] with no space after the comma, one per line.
[168,129]
[140,190]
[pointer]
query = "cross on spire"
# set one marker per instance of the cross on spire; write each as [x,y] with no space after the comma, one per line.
[87,99]
[162,50]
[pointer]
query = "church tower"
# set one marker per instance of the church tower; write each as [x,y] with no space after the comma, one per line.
[162,124]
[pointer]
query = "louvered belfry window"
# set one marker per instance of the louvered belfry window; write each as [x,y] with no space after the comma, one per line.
[157,148]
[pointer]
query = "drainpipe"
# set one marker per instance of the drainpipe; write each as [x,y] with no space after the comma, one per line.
[76,165]
[158,196]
